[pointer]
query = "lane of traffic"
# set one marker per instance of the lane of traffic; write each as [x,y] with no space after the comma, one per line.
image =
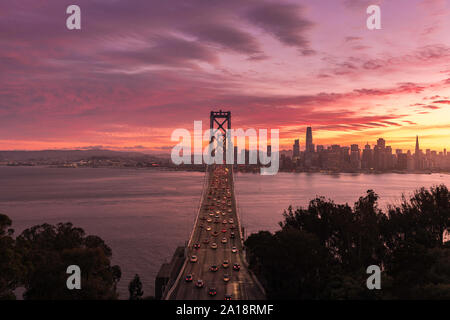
[217,214]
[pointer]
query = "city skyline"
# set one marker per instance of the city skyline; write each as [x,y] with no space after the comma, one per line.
[380,158]
[411,147]
[133,74]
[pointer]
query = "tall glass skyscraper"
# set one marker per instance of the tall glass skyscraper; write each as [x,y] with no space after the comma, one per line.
[309,145]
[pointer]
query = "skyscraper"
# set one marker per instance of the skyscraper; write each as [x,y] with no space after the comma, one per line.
[417,160]
[309,147]
[367,160]
[417,146]
[355,160]
[402,161]
[381,143]
[296,149]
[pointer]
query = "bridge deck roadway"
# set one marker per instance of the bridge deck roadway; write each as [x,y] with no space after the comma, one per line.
[217,220]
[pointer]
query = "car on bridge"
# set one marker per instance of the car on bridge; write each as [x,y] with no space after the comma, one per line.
[212,292]
[236,267]
[224,240]
[226,278]
[234,250]
[196,245]
[199,283]
[225,264]
[193,259]
[188,278]
[213,245]
[205,241]
[213,268]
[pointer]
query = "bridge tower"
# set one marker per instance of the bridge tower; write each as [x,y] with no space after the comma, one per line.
[221,121]
[221,115]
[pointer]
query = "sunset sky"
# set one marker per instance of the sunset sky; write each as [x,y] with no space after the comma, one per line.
[139,69]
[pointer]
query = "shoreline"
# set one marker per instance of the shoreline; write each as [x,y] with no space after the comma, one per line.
[256,171]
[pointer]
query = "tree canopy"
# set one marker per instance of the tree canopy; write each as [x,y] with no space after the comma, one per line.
[135,288]
[322,251]
[38,259]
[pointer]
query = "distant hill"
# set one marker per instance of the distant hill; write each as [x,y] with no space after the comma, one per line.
[70,155]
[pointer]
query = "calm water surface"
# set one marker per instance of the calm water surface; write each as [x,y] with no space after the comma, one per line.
[144,214]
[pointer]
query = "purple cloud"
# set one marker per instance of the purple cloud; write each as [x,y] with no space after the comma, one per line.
[284,21]
[227,37]
[168,50]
